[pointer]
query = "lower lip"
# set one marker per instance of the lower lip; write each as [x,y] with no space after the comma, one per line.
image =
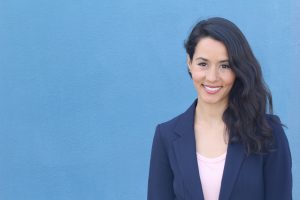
[210,91]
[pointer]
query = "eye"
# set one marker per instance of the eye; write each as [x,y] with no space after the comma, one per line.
[225,66]
[202,64]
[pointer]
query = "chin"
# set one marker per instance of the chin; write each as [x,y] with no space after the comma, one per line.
[211,99]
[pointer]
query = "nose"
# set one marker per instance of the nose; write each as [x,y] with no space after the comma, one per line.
[211,74]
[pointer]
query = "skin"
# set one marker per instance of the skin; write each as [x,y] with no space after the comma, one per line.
[213,79]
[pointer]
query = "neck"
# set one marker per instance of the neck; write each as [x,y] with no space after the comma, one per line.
[209,113]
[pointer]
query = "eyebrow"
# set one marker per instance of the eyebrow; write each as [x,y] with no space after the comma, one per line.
[221,61]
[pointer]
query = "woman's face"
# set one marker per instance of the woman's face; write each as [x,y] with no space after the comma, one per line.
[212,76]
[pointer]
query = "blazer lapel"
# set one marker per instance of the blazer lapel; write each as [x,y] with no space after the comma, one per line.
[234,159]
[185,152]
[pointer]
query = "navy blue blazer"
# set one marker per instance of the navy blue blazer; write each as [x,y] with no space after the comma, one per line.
[174,171]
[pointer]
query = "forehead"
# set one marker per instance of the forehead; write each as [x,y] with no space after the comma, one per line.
[210,48]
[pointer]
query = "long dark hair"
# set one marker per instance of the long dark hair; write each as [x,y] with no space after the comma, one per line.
[249,98]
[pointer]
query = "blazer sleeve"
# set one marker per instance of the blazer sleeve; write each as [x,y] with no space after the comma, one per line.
[160,181]
[278,166]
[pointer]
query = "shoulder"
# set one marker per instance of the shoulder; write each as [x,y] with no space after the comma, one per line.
[280,142]
[166,128]
[173,128]
[273,120]
[179,123]
[171,123]
[164,137]
[277,129]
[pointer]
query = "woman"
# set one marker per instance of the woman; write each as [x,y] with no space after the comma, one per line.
[224,146]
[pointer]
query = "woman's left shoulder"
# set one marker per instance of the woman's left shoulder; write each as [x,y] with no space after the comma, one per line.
[280,138]
[273,119]
[275,123]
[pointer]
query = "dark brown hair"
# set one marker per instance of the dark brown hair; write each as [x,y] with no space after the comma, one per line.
[249,98]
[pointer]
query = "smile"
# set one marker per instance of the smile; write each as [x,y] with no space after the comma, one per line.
[212,89]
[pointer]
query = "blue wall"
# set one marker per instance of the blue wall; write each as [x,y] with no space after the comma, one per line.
[84,83]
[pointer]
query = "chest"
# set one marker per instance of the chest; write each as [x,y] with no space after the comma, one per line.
[245,180]
[211,141]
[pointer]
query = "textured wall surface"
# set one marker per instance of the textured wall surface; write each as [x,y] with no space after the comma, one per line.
[84,83]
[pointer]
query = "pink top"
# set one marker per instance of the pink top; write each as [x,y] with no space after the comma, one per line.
[211,172]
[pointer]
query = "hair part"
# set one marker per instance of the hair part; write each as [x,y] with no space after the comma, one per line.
[249,99]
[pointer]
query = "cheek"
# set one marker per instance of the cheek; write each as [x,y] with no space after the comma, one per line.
[229,80]
[197,77]
[197,80]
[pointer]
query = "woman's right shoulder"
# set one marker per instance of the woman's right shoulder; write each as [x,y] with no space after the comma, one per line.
[170,123]
[166,129]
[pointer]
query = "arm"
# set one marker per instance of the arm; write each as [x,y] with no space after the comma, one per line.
[277,169]
[160,182]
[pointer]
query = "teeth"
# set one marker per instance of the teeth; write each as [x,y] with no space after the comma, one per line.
[212,89]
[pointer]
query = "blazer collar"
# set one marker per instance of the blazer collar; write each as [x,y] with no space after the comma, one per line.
[185,151]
